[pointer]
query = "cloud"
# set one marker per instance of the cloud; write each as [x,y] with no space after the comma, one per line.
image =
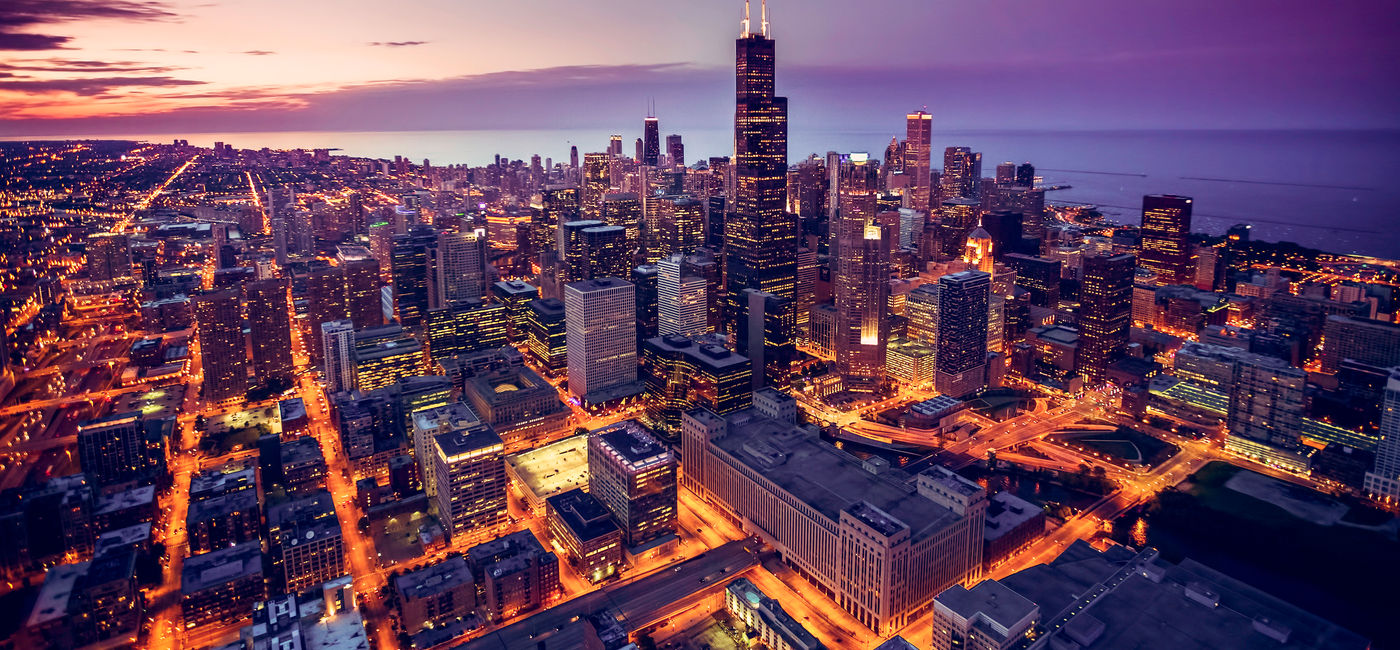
[82,66]
[29,42]
[92,87]
[257,52]
[19,14]
[397,43]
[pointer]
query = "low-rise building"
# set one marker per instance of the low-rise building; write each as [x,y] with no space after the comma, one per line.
[221,585]
[587,531]
[436,595]
[767,623]
[515,574]
[986,617]
[1012,523]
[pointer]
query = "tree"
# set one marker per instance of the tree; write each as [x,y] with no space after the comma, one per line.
[580,431]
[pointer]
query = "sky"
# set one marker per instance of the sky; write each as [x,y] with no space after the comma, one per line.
[153,66]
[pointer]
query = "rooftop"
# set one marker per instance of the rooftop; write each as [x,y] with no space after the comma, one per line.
[554,468]
[825,478]
[207,570]
[1006,511]
[434,579]
[632,444]
[52,602]
[700,351]
[990,606]
[586,517]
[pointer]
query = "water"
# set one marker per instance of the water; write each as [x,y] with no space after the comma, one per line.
[1333,190]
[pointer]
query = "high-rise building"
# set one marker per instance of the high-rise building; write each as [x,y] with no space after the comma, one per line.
[270,320]
[108,256]
[1383,481]
[1372,342]
[608,251]
[681,227]
[414,280]
[116,449]
[559,204]
[684,373]
[1166,231]
[222,351]
[466,326]
[596,183]
[624,210]
[1038,275]
[1025,174]
[761,239]
[386,355]
[676,150]
[646,279]
[962,332]
[918,159]
[338,355]
[861,277]
[1106,312]
[545,334]
[464,470]
[768,335]
[515,294]
[601,323]
[634,475]
[680,300]
[921,311]
[651,142]
[461,265]
[325,299]
[962,171]
[573,251]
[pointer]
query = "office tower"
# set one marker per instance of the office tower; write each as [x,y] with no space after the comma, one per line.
[646,278]
[1025,174]
[882,544]
[1006,173]
[1166,229]
[962,169]
[363,296]
[270,321]
[806,188]
[386,355]
[761,240]
[464,471]
[988,616]
[461,265]
[918,159]
[921,310]
[573,157]
[1028,201]
[515,573]
[676,150]
[614,146]
[222,353]
[305,543]
[596,183]
[861,277]
[768,336]
[559,204]
[680,300]
[807,273]
[962,332]
[114,449]
[1106,312]
[607,250]
[586,530]
[634,475]
[684,373]
[601,323]
[651,138]
[1266,404]
[1006,230]
[413,254]
[1383,481]
[638,157]
[1372,342]
[573,250]
[545,334]
[681,227]
[515,294]
[978,250]
[464,327]
[624,210]
[1038,275]
[338,355]
[108,256]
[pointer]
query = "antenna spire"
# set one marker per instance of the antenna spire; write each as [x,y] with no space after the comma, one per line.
[764,9]
[744,31]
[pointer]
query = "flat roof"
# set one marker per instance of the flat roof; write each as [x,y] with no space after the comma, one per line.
[825,478]
[218,567]
[1006,511]
[996,606]
[52,602]
[553,468]
[632,444]
[434,579]
[585,516]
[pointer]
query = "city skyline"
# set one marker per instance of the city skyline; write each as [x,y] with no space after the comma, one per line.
[69,67]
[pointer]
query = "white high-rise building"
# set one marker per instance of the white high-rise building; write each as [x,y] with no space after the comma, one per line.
[461,263]
[680,300]
[600,322]
[338,345]
[1383,481]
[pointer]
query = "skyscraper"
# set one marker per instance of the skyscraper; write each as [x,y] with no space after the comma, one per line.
[962,332]
[1383,481]
[269,318]
[601,332]
[464,470]
[962,169]
[861,279]
[918,160]
[1106,312]
[634,475]
[113,449]
[461,265]
[607,251]
[682,226]
[624,210]
[761,239]
[676,150]
[546,330]
[680,299]
[413,256]
[651,141]
[363,299]
[1166,229]
[338,354]
[595,184]
[219,323]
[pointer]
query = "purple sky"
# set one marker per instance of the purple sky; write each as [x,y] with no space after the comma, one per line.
[267,65]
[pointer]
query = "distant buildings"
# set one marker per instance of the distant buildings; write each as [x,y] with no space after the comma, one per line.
[1166,229]
[1106,312]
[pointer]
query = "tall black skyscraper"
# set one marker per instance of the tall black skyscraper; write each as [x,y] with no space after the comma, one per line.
[651,142]
[962,332]
[761,240]
[412,266]
[1166,229]
[1106,312]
